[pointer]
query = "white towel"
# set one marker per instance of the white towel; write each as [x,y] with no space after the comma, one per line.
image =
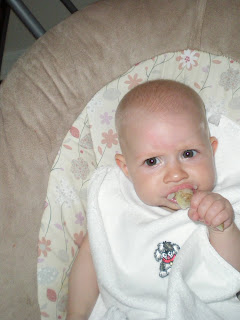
[227,156]
[188,296]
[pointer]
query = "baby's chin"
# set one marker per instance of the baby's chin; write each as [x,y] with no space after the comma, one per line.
[169,209]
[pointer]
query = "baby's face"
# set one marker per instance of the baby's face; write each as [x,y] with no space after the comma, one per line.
[165,154]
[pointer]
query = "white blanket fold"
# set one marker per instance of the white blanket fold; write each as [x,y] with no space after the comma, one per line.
[201,284]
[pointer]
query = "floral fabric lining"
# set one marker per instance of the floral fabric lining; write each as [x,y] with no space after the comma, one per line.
[92,142]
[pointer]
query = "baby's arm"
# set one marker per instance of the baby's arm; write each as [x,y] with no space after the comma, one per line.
[83,287]
[213,210]
[227,244]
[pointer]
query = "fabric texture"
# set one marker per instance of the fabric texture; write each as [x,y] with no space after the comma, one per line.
[51,84]
[127,238]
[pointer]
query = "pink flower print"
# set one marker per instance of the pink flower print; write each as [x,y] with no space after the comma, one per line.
[188,59]
[43,247]
[86,142]
[105,118]
[78,238]
[206,69]
[230,79]
[80,168]
[133,81]
[80,218]
[110,138]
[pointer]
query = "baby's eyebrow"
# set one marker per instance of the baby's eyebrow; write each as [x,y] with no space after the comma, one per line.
[145,157]
[141,157]
[194,146]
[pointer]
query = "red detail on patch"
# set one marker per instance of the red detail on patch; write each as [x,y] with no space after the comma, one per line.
[169,260]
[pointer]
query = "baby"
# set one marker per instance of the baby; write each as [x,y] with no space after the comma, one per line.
[166,147]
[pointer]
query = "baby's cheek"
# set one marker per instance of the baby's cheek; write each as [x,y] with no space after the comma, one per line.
[146,195]
[210,177]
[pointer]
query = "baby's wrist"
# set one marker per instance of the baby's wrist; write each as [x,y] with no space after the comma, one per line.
[216,229]
[75,317]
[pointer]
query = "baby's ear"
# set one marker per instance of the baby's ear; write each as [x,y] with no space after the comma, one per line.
[121,162]
[214,144]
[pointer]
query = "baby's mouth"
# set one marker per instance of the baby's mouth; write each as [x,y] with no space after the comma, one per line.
[171,197]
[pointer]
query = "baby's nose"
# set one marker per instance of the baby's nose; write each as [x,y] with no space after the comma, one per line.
[175,173]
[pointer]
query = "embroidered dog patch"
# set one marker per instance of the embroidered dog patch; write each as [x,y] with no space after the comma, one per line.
[165,254]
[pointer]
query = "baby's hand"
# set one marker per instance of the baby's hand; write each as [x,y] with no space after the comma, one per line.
[211,209]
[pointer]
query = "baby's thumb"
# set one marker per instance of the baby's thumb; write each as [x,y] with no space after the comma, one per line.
[193,215]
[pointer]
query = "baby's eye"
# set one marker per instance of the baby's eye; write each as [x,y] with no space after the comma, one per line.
[152,161]
[189,153]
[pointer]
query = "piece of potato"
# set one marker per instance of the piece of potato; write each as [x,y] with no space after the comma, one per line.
[184,197]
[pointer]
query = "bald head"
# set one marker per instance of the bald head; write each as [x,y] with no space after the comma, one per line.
[157,97]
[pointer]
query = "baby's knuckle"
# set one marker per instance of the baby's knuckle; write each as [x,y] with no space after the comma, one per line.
[228,204]
[219,204]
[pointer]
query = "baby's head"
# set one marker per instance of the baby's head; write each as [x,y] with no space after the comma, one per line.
[158,97]
[165,141]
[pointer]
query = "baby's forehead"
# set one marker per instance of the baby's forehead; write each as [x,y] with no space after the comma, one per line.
[158,99]
[161,103]
[167,121]
[163,109]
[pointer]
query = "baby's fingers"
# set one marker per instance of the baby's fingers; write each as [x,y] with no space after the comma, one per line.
[200,203]
[204,206]
[193,215]
[211,209]
[224,217]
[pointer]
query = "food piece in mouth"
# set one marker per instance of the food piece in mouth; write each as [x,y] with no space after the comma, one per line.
[183,198]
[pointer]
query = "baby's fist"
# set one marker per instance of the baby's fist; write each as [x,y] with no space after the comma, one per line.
[212,209]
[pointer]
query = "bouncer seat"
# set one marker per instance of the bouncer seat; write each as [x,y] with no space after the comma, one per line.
[57,124]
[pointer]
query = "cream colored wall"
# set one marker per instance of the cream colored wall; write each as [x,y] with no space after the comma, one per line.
[48,12]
